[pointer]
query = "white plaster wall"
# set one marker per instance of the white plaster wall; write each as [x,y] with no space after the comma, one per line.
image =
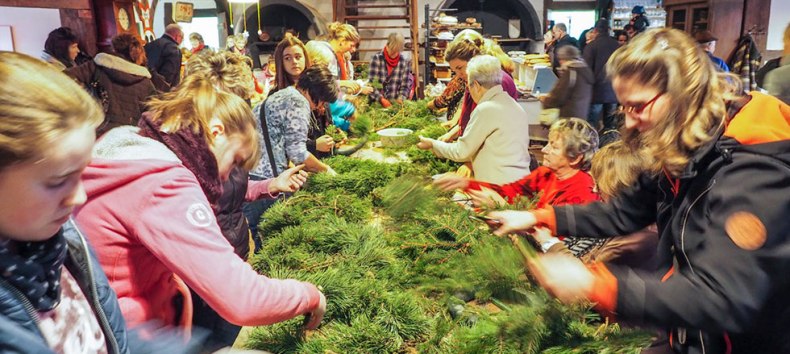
[779,20]
[30,27]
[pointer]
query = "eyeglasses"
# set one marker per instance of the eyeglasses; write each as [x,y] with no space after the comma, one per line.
[638,109]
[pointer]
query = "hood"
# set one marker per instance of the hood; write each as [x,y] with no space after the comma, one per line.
[122,156]
[584,71]
[121,70]
[764,119]
[762,126]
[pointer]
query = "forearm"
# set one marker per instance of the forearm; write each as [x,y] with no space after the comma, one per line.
[313,164]
[260,189]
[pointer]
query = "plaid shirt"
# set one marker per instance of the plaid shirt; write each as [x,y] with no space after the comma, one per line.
[396,85]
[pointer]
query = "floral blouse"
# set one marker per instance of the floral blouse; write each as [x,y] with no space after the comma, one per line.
[288,119]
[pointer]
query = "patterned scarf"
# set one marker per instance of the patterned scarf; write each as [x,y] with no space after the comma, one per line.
[391,62]
[34,268]
[193,151]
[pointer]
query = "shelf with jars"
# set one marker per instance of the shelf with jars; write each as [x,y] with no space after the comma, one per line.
[621,14]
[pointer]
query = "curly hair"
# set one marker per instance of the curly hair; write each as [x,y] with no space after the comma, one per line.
[579,138]
[127,46]
[227,71]
[670,60]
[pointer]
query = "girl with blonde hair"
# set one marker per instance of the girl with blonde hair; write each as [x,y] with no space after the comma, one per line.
[716,187]
[151,192]
[53,294]
[342,41]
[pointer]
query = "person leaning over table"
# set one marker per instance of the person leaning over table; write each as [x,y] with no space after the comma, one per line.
[494,142]
[562,179]
[718,192]
[614,168]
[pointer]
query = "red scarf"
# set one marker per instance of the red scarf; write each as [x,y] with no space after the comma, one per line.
[392,62]
[198,48]
[341,64]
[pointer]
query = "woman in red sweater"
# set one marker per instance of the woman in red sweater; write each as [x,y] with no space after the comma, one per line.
[563,178]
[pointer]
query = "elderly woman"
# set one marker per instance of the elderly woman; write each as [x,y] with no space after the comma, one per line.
[718,192]
[495,141]
[573,92]
[392,70]
[563,178]
[198,44]
[615,168]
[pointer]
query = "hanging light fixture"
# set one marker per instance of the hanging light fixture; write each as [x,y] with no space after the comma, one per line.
[259,18]
[230,9]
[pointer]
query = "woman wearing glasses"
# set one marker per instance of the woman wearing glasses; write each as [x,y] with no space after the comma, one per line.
[718,192]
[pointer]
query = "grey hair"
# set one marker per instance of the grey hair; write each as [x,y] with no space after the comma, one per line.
[568,52]
[174,29]
[561,26]
[579,138]
[486,70]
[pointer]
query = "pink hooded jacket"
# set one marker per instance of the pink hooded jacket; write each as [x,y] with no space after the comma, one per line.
[150,221]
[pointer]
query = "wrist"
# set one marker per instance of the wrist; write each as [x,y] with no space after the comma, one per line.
[546,245]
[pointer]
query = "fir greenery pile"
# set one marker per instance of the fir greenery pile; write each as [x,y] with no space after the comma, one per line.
[404,270]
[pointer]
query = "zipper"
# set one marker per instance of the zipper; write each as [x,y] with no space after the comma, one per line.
[685,222]
[31,311]
[101,316]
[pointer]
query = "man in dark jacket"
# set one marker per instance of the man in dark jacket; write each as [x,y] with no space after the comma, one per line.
[163,54]
[560,31]
[596,54]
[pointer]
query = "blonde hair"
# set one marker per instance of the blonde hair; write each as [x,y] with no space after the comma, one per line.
[670,60]
[462,50]
[38,105]
[227,71]
[484,46]
[317,56]
[579,138]
[616,167]
[343,31]
[491,47]
[195,102]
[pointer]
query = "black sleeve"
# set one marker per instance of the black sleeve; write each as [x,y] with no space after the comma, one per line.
[170,65]
[727,286]
[632,211]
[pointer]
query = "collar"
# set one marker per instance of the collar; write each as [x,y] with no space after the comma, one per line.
[120,64]
[491,93]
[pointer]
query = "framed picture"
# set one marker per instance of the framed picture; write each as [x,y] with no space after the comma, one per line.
[183,11]
[6,38]
[124,17]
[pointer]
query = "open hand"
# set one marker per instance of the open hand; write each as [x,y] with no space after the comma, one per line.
[315,317]
[563,276]
[324,143]
[289,181]
[486,197]
[451,181]
[425,143]
[513,221]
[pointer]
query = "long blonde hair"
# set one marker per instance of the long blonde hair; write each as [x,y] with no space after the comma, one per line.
[38,105]
[342,31]
[195,102]
[669,60]
[227,71]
